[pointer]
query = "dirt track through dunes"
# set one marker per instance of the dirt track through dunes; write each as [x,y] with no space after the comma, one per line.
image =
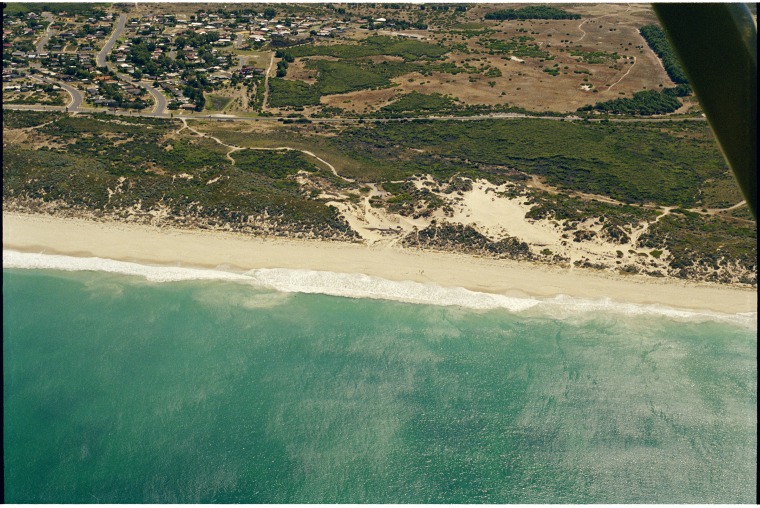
[265,101]
[234,148]
[624,75]
[596,19]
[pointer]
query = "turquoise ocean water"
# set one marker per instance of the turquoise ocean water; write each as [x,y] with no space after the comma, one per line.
[124,389]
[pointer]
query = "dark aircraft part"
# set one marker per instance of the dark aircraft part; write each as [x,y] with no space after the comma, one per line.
[717,46]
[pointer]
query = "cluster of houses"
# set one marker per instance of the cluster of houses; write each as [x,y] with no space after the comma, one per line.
[57,63]
[260,31]
[247,30]
[27,87]
[85,35]
[128,92]
[74,42]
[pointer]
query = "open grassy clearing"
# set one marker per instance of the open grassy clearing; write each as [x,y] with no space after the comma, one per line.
[313,139]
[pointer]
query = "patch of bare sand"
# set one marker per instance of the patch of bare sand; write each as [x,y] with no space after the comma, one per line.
[497,215]
[376,225]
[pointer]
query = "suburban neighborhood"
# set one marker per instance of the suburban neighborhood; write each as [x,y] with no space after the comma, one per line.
[112,58]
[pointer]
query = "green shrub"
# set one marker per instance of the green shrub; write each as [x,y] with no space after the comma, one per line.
[532,12]
[658,42]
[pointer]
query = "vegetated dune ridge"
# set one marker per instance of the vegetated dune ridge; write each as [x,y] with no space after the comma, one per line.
[301,188]
[233,252]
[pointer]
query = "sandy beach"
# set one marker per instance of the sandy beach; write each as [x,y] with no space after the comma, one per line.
[233,251]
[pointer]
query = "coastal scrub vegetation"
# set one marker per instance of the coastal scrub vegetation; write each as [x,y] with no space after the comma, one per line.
[644,103]
[445,236]
[14,119]
[657,40]
[698,243]
[619,174]
[627,163]
[130,169]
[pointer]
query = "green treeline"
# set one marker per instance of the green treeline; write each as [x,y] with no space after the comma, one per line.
[19,9]
[408,49]
[532,12]
[647,102]
[657,40]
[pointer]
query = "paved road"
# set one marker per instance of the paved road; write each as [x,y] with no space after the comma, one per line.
[47,34]
[76,96]
[231,118]
[159,106]
[159,109]
[108,46]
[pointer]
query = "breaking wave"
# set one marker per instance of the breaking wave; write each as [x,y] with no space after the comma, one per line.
[354,285]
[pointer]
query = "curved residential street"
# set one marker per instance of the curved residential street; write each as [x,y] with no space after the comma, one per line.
[108,46]
[76,97]
[159,106]
[40,47]
[159,109]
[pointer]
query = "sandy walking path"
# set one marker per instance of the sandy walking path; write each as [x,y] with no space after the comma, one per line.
[235,148]
[265,100]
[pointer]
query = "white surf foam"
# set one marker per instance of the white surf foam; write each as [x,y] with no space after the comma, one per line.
[563,306]
[354,285]
[365,286]
[14,259]
[559,307]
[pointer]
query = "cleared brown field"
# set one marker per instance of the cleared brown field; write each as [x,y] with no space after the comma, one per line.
[363,101]
[538,65]
[607,28]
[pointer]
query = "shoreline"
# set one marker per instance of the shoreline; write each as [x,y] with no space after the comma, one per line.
[231,251]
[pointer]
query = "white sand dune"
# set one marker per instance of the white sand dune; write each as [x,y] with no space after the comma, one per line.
[486,208]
